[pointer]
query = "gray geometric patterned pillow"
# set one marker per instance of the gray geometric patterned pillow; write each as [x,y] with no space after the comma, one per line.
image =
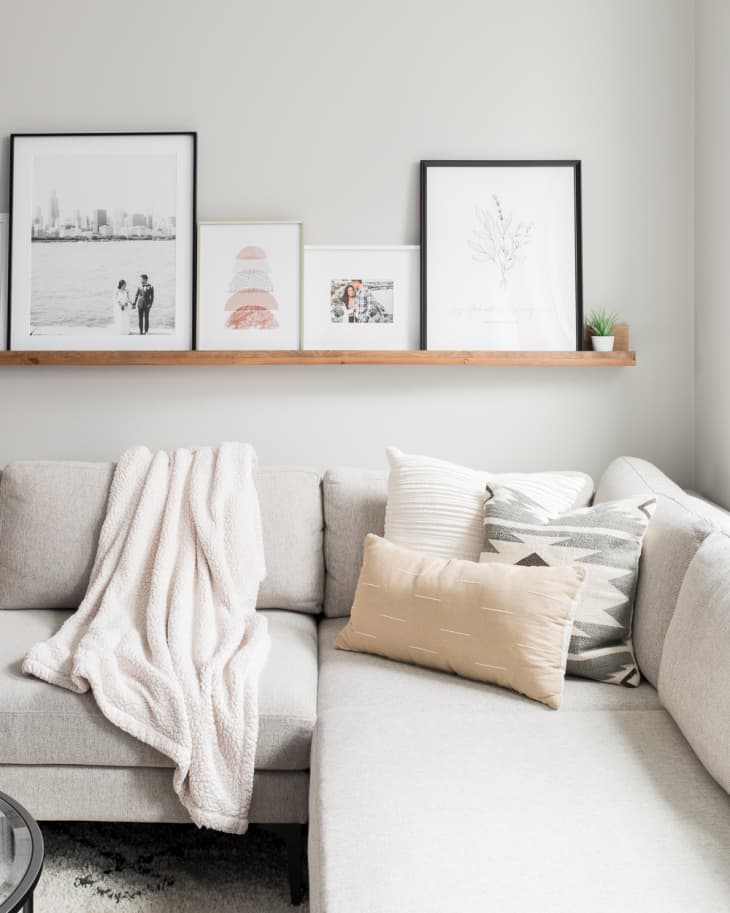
[606,539]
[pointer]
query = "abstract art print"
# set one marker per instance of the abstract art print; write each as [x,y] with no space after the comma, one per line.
[102,241]
[249,285]
[501,255]
[361,298]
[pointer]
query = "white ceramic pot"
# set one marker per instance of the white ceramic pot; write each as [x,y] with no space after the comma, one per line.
[602,343]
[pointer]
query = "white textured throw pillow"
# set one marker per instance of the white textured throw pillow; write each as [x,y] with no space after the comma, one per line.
[438,507]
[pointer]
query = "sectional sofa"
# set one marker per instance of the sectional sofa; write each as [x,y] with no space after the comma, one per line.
[422,792]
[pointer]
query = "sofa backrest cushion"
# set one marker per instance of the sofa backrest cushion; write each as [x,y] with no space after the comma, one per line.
[291,516]
[672,539]
[694,678]
[51,514]
[50,517]
[354,505]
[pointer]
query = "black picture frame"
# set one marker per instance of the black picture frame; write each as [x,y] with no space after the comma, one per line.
[574,165]
[192,135]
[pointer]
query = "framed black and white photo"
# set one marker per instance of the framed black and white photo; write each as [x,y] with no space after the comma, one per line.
[102,252]
[249,285]
[501,255]
[3,279]
[361,298]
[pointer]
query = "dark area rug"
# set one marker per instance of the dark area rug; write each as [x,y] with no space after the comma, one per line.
[151,868]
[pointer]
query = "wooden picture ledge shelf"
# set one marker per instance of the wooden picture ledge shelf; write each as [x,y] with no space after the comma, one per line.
[324,357]
[620,357]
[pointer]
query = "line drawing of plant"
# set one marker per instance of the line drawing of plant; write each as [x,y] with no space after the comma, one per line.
[498,241]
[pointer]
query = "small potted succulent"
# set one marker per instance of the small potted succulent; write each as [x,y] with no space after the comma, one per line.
[600,325]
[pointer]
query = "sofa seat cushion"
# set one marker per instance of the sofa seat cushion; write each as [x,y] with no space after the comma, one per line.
[140,794]
[564,813]
[362,681]
[43,724]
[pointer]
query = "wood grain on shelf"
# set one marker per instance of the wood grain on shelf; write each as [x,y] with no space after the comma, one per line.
[616,358]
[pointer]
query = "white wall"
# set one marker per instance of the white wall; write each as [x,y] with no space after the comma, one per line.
[321,111]
[712,157]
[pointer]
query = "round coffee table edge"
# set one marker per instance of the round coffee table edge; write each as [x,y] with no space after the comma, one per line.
[28,882]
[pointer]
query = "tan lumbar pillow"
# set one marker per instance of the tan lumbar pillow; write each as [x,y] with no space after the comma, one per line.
[499,623]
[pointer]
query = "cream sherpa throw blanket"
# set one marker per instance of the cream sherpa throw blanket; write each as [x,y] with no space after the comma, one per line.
[167,636]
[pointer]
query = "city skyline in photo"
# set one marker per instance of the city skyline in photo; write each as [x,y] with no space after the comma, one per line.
[107,195]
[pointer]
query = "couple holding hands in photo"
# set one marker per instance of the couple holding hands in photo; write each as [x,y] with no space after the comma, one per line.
[142,303]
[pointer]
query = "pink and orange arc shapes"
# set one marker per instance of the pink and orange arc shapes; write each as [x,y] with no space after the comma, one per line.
[251,302]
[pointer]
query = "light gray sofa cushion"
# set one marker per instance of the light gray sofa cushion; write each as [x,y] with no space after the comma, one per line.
[354,505]
[74,793]
[360,681]
[41,724]
[50,517]
[628,476]
[713,513]
[428,812]
[674,534]
[51,514]
[291,516]
[694,678]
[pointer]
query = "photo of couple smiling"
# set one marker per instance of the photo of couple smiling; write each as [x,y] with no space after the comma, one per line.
[358,301]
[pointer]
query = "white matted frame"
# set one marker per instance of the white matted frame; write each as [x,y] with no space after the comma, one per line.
[249,286]
[87,211]
[389,319]
[3,279]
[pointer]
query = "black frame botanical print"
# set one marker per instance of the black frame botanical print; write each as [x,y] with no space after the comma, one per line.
[501,255]
[102,241]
